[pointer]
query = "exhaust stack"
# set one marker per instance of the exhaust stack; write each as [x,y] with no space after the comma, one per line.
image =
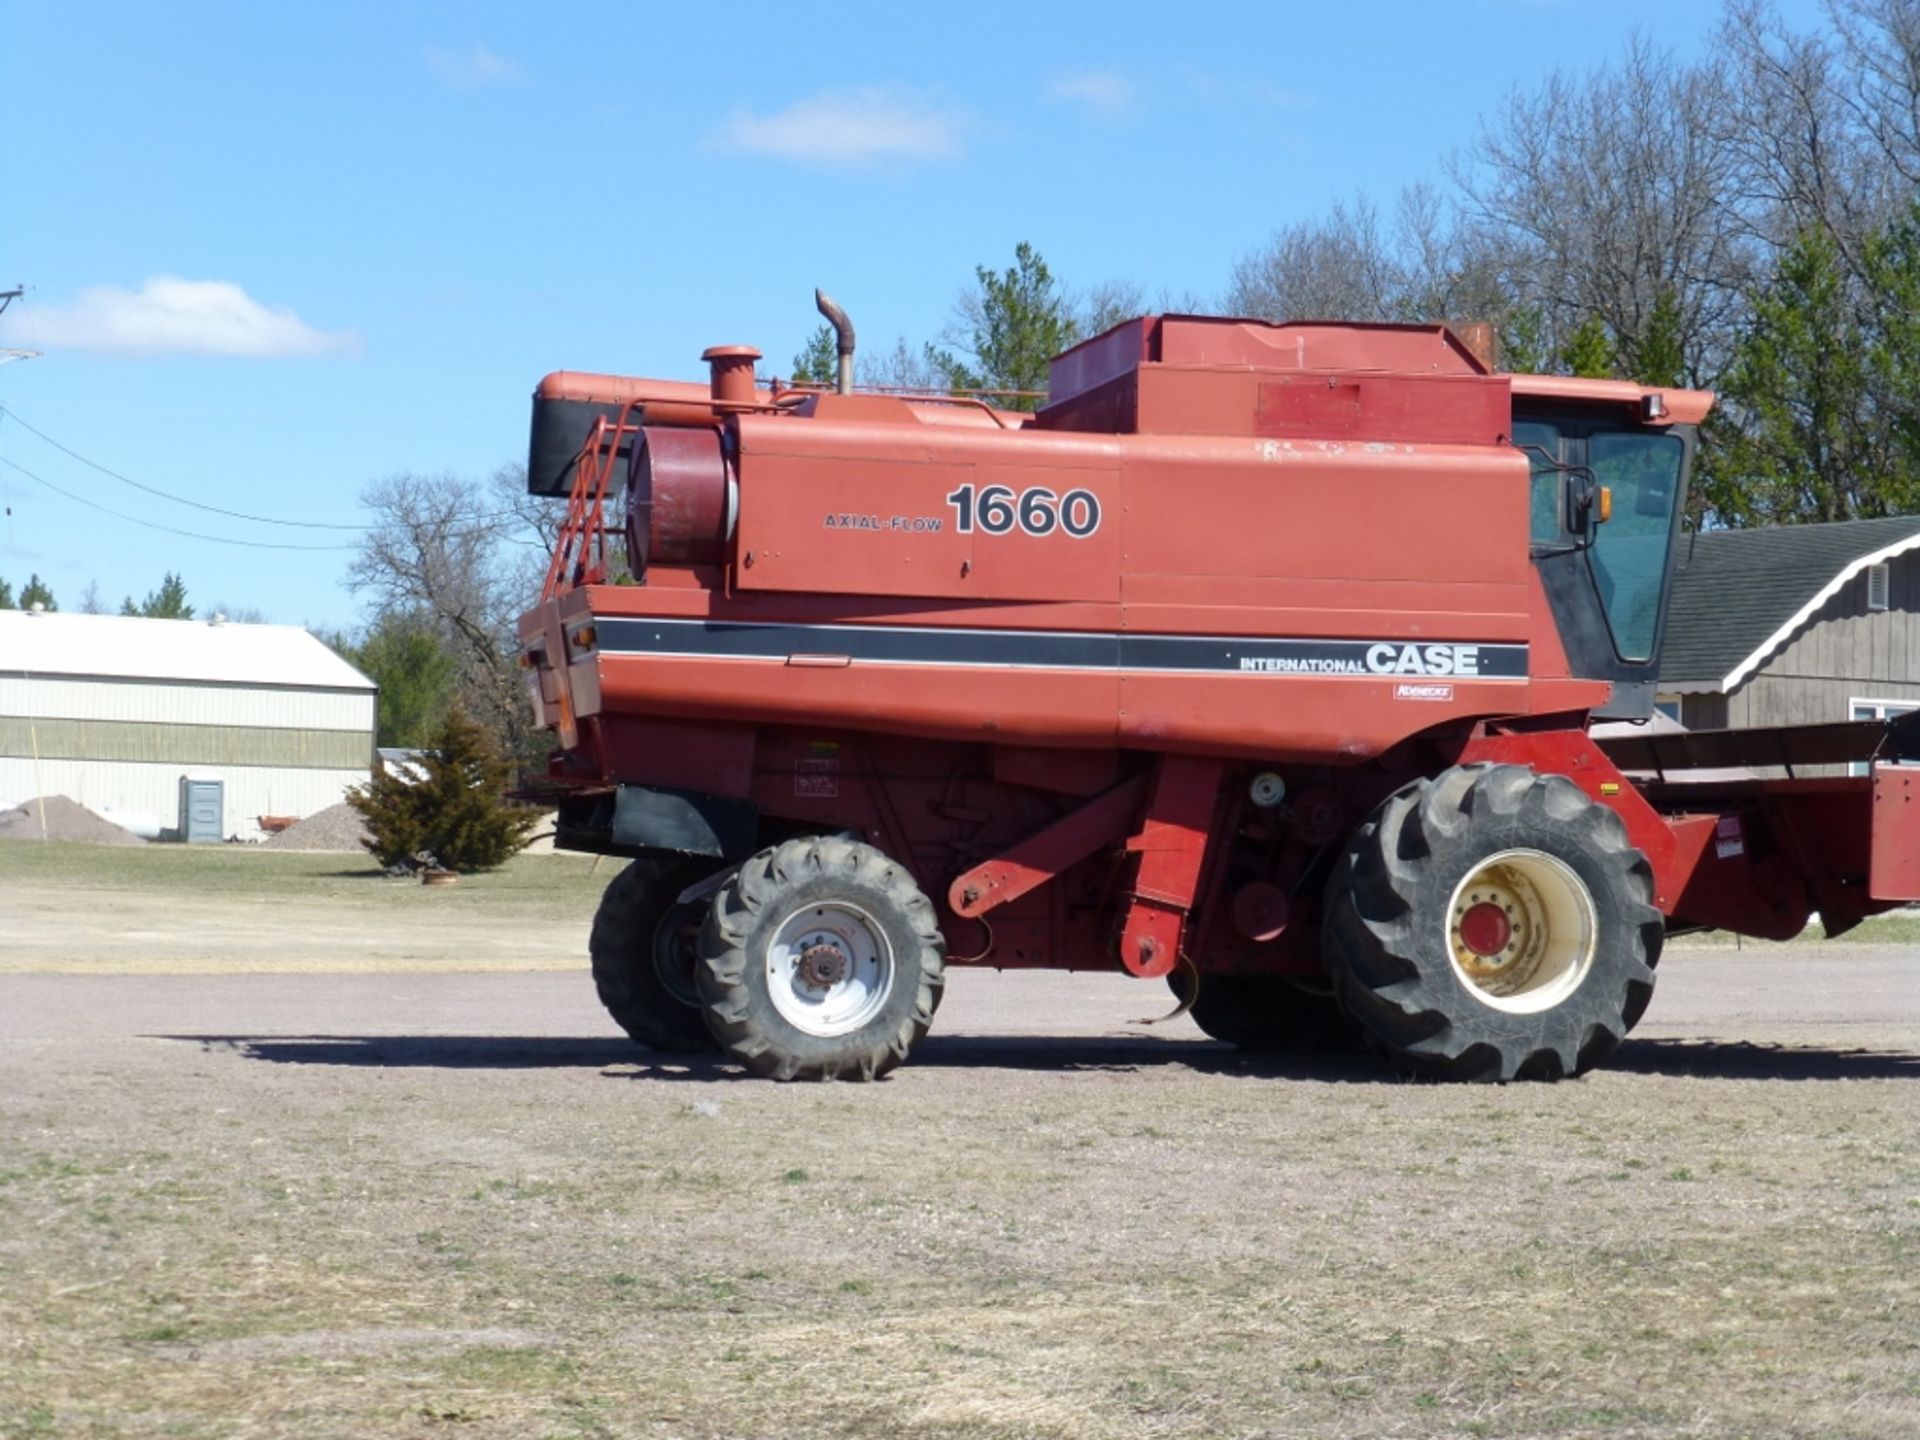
[842,335]
[731,373]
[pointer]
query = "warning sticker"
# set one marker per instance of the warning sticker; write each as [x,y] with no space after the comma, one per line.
[1728,841]
[816,779]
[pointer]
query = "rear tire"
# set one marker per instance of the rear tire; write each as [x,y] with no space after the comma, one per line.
[1266,1014]
[1493,924]
[820,959]
[644,953]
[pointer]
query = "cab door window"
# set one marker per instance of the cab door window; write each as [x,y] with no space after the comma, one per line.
[1542,444]
[1641,470]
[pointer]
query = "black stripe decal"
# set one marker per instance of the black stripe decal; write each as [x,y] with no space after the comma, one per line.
[1063,649]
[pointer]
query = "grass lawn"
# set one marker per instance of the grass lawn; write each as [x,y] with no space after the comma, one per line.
[228,909]
[1898,927]
[534,886]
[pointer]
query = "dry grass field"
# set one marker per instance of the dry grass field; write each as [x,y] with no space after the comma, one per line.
[248,1190]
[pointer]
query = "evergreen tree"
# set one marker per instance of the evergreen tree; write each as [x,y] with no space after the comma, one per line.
[1658,356]
[1818,401]
[1892,265]
[35,592]
[417,674]
[169,602]
[1589,351]
[819,362]
[1019,321]
[1523,341]
[6,596]
[455,814]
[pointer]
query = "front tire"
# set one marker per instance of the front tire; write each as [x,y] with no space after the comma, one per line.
[1493,924]
[644,954]
[820,959]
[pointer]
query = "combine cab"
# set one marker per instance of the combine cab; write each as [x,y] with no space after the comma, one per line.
[1262,660]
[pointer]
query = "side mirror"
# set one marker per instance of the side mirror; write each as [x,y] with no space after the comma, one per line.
[1589,503]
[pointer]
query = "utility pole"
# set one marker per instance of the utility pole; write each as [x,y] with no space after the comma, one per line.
[7,356]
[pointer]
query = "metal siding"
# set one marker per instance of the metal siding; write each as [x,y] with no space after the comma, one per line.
[184,745]
[62,697]
[154,790]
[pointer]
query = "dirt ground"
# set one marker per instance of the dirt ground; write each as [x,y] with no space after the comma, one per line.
[291,1151]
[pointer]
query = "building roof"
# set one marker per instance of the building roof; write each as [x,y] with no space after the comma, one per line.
[126,647]
[1739,595]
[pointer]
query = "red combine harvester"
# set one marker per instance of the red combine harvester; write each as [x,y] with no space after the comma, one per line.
[1263,658]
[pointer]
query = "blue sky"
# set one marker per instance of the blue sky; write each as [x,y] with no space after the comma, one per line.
[274,253]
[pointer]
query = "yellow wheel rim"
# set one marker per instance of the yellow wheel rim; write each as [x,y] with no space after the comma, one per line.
[1522,931]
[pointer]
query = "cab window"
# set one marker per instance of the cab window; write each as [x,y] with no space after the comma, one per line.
[1544,501]
[1642,470]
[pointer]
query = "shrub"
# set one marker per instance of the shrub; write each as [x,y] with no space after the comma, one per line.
[455,813]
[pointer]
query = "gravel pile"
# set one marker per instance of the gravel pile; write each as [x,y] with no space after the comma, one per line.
[337,828]
[65,820]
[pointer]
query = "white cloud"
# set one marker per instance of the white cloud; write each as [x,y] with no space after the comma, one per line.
[1237,91]
[877,125]
[1104,94]
[171,316]
[474,68]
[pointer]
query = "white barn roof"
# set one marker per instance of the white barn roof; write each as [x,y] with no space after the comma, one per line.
[135,648]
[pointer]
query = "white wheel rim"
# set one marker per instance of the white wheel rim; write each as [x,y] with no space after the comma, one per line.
[1522,931]
[829,968]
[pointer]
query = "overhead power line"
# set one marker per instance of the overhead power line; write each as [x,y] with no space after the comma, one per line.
[168,495]
[463,533]
[154,524]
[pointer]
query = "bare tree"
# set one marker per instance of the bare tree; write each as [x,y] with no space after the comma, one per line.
[1793,137]
[1110,303]
[465,557]
[239,614]
[902,368]
[1339,268]
[1610,194]
[1880,43]
[1429,265]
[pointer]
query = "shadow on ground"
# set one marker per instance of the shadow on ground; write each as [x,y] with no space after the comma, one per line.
[1701,1059]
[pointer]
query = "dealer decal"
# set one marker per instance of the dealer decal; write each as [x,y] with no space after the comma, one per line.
[1426,691]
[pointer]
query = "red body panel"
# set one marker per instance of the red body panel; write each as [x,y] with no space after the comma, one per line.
[1039,659]
[1894,872]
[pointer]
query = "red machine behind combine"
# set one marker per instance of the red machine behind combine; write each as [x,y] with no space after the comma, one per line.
[1262,659]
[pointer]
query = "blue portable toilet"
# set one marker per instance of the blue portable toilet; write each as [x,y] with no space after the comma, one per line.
[202,811]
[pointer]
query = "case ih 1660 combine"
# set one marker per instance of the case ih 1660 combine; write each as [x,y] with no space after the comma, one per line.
[1263,658]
